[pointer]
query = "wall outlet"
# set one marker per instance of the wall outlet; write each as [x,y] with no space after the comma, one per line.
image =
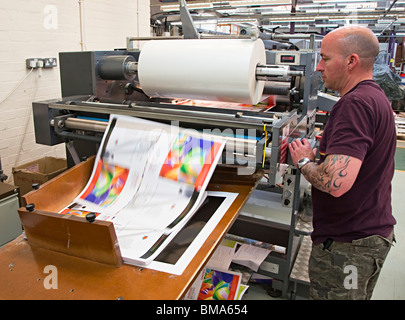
[36,63]
[33,63]
[50,62]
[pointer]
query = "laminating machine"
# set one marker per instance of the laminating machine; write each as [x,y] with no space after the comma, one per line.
[96,84]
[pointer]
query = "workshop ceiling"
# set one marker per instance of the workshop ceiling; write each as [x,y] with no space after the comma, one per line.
[299,16]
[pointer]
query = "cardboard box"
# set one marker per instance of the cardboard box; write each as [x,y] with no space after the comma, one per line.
[37,171]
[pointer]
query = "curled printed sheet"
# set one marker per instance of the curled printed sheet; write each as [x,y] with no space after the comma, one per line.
[148,179]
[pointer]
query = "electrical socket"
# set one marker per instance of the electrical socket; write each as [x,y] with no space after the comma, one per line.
[32,63]
[50,62]
[36,63]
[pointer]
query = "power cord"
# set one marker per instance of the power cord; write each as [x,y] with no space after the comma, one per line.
[16,87]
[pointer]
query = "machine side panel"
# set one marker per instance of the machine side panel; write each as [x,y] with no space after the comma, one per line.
[44,132]
[77,73]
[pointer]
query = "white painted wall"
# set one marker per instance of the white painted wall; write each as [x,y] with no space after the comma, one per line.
[40,29]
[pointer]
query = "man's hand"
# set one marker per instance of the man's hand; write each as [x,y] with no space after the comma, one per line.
[301,148]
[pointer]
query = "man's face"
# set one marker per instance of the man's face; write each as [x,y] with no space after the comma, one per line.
[332,65]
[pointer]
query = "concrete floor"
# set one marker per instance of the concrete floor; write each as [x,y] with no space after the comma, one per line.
[391,283]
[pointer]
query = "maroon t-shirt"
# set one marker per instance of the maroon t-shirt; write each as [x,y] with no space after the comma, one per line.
[361,125]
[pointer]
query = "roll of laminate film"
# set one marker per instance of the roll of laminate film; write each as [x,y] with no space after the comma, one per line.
[205,69]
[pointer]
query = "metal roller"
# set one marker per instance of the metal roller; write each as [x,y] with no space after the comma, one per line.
[86,125]
[238,145]
[117,68]
[263,71]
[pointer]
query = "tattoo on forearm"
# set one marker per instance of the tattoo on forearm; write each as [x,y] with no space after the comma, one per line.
[327,176]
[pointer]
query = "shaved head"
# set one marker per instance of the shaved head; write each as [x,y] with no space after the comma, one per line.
[359,40]
[347,57]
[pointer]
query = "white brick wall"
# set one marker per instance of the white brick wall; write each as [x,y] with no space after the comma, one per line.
[40,29]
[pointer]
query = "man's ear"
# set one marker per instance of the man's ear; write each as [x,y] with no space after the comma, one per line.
[352,61]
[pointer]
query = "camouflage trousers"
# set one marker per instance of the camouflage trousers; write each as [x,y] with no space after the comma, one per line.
[340,270]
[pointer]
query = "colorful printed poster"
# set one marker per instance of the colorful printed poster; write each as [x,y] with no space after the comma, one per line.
[218,285]
[214,284]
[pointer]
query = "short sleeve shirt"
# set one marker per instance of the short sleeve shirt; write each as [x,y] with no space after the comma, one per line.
[361,125]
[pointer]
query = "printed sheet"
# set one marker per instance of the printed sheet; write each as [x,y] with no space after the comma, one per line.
[148,179]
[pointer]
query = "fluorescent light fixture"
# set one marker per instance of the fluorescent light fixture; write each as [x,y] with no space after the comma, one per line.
[301,18]
[301,26]
[281,20]
[358,10]
[361,5]
[249,3]
[335,1]
[319,11]
[197,23]
[176,7]
[314,5]
[353,17]
[326,25]
[230,20]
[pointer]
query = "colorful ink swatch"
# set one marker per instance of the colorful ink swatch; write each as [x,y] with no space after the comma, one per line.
[78,213]
[78,210]
[107,184]
[189,160]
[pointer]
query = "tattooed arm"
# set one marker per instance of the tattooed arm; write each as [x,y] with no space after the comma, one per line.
[336,175]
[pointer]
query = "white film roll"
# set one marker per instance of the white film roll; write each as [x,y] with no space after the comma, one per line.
[204,69]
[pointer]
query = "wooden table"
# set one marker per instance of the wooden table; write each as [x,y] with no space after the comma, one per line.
[22,265]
